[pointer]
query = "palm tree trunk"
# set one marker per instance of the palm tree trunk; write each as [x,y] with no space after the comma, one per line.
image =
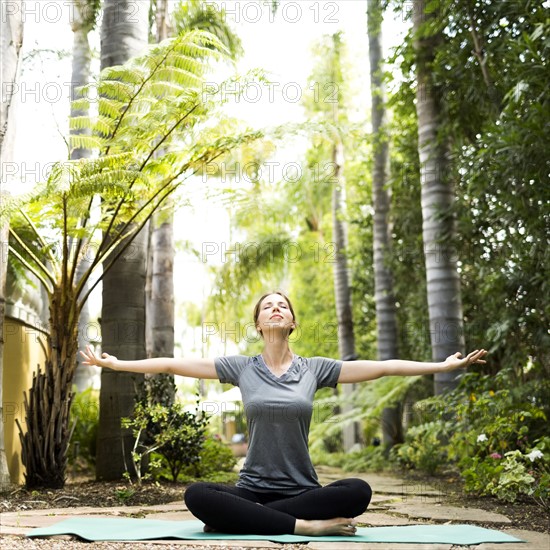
[160,319]
[386,318]
[160,305]
[124,33]
[346,338]
[438,228]
[82,23]
[342,290]
[11,40]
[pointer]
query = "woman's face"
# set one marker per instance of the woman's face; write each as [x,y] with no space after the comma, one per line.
[274,313]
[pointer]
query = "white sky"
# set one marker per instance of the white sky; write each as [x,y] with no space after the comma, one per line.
[280,44]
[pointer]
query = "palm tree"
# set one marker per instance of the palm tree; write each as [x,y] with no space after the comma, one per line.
[11,27]
[438,228]
[386,319]
[123,305]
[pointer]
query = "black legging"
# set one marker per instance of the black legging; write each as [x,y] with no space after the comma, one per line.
[236,510]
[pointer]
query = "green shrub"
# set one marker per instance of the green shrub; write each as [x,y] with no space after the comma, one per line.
[171,432]
[424,447]
[187,438]
[510,476]
[489,427]
[478,473]
[84,416]
[369,459]
[214,456]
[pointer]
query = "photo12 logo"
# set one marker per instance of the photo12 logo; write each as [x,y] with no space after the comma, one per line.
[255,252]
[269,11]
[55,11]
[254,92]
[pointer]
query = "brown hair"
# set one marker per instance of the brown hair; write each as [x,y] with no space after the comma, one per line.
[259,303]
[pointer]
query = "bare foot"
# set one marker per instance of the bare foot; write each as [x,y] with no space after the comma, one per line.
[318,527]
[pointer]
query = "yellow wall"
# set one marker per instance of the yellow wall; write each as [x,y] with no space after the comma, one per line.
[23,351]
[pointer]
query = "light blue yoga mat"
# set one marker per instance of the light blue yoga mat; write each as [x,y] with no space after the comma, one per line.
[127,529]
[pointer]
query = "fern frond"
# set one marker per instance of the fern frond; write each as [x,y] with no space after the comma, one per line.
[123,73]
[82,141]
[81,105]
[106,162]
[115,89]
[110,185]
[97,125]
[109,107]
[186,63]
[10,205]
[177,75]
[161,89]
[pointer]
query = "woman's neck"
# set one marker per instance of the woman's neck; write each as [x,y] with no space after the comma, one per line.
[276,352]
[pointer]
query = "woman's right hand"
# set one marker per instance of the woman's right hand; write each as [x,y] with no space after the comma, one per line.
[90,358]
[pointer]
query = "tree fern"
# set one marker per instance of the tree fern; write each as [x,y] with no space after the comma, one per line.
[151,132]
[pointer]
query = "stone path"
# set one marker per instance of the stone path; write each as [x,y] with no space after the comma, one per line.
[394,503]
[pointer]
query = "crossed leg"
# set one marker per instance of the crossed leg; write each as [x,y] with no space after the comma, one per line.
[325,510]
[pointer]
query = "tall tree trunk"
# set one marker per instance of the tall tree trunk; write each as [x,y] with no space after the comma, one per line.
[160,307]
[82,22]
[11,40]
[438,227]
[386,318]
[124,33]
[342,290]
[346,338]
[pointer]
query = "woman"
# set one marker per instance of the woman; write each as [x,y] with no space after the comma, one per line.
[278,491]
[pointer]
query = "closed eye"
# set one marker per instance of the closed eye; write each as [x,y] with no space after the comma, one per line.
[280,304]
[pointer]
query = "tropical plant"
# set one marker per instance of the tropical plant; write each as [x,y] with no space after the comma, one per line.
[149,103]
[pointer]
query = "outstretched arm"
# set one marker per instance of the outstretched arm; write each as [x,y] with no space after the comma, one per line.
[194,368]
[361,371]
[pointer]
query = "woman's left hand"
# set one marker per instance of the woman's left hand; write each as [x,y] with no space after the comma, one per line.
[456,360]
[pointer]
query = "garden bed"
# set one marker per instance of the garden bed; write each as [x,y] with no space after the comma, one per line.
[524,513]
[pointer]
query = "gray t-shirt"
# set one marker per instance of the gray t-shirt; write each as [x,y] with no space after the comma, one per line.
[278,413]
